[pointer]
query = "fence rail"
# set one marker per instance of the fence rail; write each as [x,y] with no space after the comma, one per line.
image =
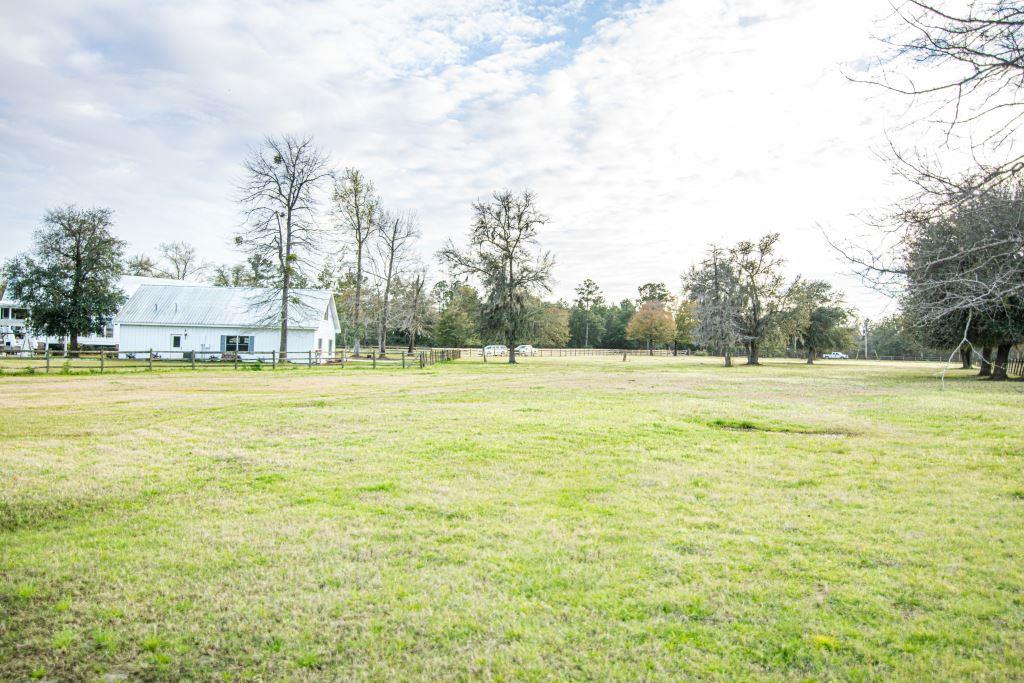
[736,353]
[47,361]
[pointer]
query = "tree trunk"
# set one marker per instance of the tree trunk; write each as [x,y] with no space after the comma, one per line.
[728,359]
[412,341]
[752,354]
[965,357]
[810,356]
[285,285]
[359,295]
[675,349]
[511,352]
[650,349]
[986,362]
[1002,362]
[586,332]
[74,341]
[383,338]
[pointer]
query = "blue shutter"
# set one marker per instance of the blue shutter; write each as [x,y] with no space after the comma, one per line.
[223,343]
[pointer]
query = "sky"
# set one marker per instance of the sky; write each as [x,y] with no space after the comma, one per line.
[647,129]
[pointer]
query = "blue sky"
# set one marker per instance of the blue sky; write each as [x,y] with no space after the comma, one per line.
[648,129]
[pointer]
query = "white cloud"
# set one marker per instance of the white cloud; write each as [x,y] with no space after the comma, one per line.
[670,125]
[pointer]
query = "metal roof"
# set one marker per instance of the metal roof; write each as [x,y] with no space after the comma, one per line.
[222,307]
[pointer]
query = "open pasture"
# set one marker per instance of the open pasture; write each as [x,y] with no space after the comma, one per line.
[587,518]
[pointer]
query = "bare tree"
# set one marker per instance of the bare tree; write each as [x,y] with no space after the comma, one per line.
[413,304]
[962,69]
[501,256]
[279,203]
[180,261]
[397,234]
[355,207]
[714,285]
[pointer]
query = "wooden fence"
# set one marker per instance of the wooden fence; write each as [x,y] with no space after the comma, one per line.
[567,353]
[48,361]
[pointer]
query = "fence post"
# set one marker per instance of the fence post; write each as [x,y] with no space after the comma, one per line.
[403,360]
[311,359]
[273,359]
[150,359]
[234,363]
[47,360]
[103,354]
[193,363]
[373,358]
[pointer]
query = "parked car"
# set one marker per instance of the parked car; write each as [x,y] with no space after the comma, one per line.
[496,350]
[835,355]
[525,350]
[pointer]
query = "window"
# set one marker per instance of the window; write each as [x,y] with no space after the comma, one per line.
[175,341]
[238,344]
[320,344]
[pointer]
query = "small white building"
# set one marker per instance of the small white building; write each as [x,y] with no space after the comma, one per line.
[177,322]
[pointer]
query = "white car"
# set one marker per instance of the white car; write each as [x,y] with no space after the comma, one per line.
[496,350]
[835,355]
[525,350]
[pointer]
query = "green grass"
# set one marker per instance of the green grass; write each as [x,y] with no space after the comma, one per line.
[578,518]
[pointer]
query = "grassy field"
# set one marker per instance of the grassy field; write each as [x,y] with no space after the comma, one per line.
[564,519]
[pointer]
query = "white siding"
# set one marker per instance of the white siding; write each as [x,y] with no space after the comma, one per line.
[142,338]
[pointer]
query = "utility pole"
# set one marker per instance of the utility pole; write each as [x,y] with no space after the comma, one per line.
[866,322]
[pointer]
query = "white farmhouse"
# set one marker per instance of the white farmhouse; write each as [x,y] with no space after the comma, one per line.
[178,322]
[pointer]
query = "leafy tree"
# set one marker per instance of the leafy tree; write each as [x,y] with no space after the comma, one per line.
[653,291]
[686,325]
[894,336]
[652,323]
[141,265]
[69,280]
[588,295]
[552,325]
[827,327]
[616,320]
[458,323]
[255,271]
[279,203]
[501,254]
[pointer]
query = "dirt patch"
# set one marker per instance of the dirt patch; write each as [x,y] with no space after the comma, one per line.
[749,426]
